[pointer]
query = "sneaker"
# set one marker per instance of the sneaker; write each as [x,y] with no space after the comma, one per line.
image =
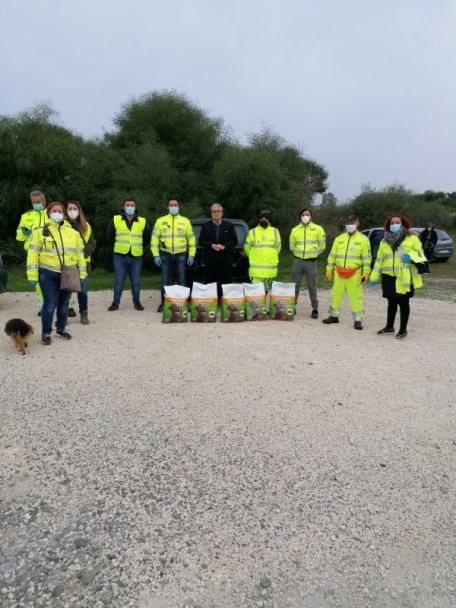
[46,339]
[331,320]
[139,306]
[113,307]
[39,313]
[358,325]
[64,335]
[160,308]
[314,314]
[401,335]
[71,312]
[386,331]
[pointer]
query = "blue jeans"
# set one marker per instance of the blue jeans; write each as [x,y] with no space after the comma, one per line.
[173,269]
[82,296]
[123,265]
[53,298]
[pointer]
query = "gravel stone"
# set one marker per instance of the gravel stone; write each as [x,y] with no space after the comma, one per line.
[205,469]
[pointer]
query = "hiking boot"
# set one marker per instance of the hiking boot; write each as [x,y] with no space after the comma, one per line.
[139,306]
[160,308]
[46,339]
[401,335]
[71,312]
[84,318]
[386,331]
[63,334]
[113,307]
[358,325]
[314,314]
[331,320]
[39,313]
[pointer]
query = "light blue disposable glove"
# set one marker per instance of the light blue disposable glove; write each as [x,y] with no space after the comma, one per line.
[157,261]
[26,231]
[33,283]
[406,258]
[190,260]
[372,283]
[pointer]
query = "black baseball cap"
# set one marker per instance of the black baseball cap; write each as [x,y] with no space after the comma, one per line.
[352,218]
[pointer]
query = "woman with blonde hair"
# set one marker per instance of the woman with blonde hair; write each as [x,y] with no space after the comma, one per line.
[51,246]
[79,222]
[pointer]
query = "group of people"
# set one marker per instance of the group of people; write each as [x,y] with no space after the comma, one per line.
[57,234]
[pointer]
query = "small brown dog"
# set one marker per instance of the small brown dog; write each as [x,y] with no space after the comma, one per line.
[20,332]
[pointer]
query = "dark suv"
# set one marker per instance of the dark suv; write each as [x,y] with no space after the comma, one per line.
[197,272]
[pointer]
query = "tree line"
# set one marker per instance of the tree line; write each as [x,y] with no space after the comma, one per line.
[163,145]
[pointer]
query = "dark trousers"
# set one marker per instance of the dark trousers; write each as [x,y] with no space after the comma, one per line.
[404,306]
[216,272]
[173,269]
[53,298]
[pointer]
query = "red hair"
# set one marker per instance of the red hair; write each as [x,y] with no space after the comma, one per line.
[404,220]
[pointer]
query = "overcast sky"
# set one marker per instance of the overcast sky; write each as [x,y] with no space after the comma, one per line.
[365,87]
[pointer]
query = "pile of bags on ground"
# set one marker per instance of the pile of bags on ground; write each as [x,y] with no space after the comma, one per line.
[240,302]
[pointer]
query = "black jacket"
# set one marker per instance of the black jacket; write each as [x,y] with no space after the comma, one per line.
[431,235]
[227,237]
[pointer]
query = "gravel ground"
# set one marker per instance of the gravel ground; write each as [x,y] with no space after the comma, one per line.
[264,464]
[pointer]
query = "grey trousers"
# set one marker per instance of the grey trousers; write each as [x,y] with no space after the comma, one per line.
[308,268]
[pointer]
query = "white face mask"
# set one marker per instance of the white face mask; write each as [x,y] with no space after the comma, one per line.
[305,219]
[73,214]
[351,228]
[56,216]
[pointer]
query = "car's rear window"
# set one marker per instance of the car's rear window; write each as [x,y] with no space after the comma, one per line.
[442,235]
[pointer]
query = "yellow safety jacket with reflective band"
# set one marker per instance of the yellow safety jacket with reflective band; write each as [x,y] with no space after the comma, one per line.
[85,238]
[126,238]
[390,262]
[350,251]
[42,252]
[307,241]
[30,220]
[262,247]
[173,234]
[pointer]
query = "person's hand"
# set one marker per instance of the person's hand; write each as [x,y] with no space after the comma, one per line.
[365,277]
[221,247]
[372,283]
[33,283]
[157,261]
[329,274]
[26,231]
[190,260]
[406,258]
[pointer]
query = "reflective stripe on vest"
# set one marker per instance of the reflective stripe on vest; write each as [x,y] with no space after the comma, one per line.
[129,240]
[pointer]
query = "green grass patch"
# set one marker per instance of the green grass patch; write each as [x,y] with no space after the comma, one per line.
[439,284]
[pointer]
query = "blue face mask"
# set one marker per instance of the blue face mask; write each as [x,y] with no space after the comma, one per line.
[38,206]
[130,210]
[395,227]
[174,210]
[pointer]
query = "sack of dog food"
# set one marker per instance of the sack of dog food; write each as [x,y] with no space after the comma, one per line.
[175,307]
[255,302]
[233,304]
[203,305]
[282,302]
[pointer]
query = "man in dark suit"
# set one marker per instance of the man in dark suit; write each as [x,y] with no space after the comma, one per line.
[218,239]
